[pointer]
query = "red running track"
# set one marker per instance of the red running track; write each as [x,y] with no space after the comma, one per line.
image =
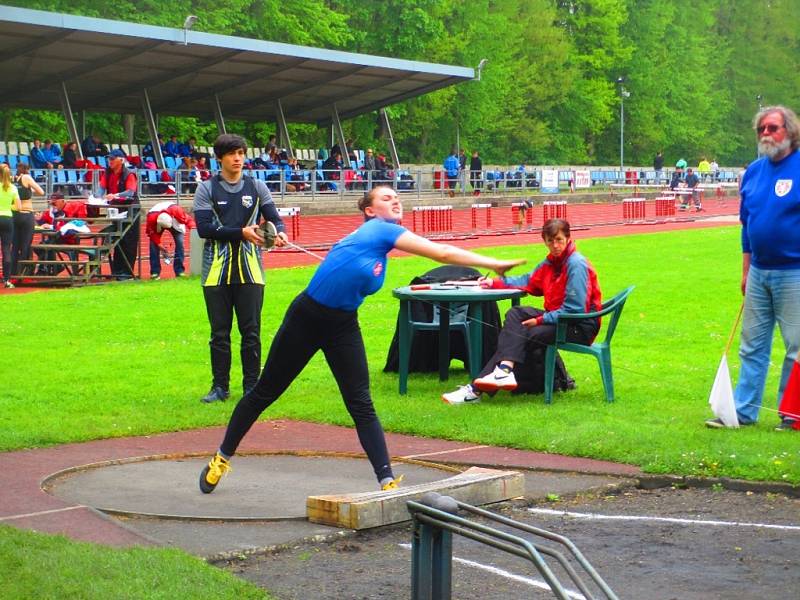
[495,227]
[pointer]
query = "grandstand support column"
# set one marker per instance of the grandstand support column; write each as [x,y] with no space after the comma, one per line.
[152,130]
[218,118]
[336,125]
[390,138]
[66,108]
[128,120]
[283,130]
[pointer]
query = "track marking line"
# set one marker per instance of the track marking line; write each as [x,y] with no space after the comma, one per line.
[599,517]
[444,452]
[40,513]
[537,583]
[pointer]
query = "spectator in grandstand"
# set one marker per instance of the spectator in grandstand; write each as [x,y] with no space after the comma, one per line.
[227,209]
[167,216]
[681,164]
[704,169]
[325,317]
[172,147]
[70,160]
[692,182]
[658,164]
[370,165]
[9,201]
[770,215]
[119,187]
[37,157]
[148,151]
[93,146]
[294,177]
[332,167]
[272,144]
[202,168]
[476,173]
[714,166]
[383,168]
[189,148]
[23,219]
[568,283]
[52,153]
[451,168]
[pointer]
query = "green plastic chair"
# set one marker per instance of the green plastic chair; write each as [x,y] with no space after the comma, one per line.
[600,350]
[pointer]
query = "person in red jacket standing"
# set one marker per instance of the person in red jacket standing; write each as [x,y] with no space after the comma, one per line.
[119,187]
[568,283]
[167,216]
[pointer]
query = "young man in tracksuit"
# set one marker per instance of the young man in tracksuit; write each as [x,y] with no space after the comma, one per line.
[227,209]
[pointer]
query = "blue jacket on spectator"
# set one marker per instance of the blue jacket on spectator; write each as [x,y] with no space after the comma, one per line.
[38,159]
[52,154]
[451,165]
[172,148]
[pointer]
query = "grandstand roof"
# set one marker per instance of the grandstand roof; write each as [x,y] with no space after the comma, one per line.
[105,65]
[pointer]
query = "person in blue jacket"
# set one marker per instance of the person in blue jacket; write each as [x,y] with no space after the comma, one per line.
[325,317]
[451,166]
[770,215]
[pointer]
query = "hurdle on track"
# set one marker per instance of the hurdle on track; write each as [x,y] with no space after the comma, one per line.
[554,209]
[432,219]
[474,215]
[665,206]
[633,209]
[515,213]
[293,212]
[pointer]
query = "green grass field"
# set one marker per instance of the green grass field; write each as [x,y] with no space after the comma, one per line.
[132,359]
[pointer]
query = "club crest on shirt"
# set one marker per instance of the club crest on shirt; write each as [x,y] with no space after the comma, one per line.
[247,201]
[377,269]
[783,187]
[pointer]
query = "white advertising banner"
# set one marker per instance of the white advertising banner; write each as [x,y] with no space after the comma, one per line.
[582,178]
[550,181]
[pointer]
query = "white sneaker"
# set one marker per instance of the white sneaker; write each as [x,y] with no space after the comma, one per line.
[463,395]
[496,380]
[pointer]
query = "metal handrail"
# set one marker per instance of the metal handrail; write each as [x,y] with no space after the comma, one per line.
[443,521]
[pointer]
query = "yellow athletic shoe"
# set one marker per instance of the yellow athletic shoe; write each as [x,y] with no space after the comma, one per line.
[212,473]
[392,485]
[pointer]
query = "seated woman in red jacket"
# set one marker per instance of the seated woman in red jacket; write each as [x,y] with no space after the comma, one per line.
[569,285]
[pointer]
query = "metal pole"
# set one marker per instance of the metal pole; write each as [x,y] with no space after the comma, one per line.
[622,129]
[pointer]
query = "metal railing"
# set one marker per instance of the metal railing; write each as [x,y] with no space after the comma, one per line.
[434,523]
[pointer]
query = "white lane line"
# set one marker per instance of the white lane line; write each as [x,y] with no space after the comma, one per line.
[40,513]
[508,575]
[444,452]
[598,517]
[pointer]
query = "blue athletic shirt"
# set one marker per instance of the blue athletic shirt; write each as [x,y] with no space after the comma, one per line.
[770,213]
[355,267]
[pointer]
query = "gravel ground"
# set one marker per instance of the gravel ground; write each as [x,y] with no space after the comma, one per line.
[643,558]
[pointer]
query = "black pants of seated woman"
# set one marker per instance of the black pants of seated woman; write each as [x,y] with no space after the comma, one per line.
[24,224]
[6,237]
[308,327]
[515,340]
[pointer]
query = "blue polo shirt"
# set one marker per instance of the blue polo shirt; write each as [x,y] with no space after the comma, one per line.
[355,267]
[770,213]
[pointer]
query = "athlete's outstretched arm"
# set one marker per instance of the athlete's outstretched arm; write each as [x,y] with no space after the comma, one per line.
[452,255]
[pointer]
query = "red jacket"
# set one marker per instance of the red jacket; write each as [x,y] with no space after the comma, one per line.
[568,284]
[173,210]
[74,209]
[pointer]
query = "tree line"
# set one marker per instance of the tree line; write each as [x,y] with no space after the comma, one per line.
[549,93]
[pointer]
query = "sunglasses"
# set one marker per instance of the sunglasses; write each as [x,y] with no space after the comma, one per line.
[768,128]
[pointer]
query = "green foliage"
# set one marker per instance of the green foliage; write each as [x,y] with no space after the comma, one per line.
[101,364]
[548,92]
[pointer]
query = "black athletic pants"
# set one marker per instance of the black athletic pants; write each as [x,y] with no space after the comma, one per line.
[24,224]
[222,301]
[6,236]
[515,339]
[308,327]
